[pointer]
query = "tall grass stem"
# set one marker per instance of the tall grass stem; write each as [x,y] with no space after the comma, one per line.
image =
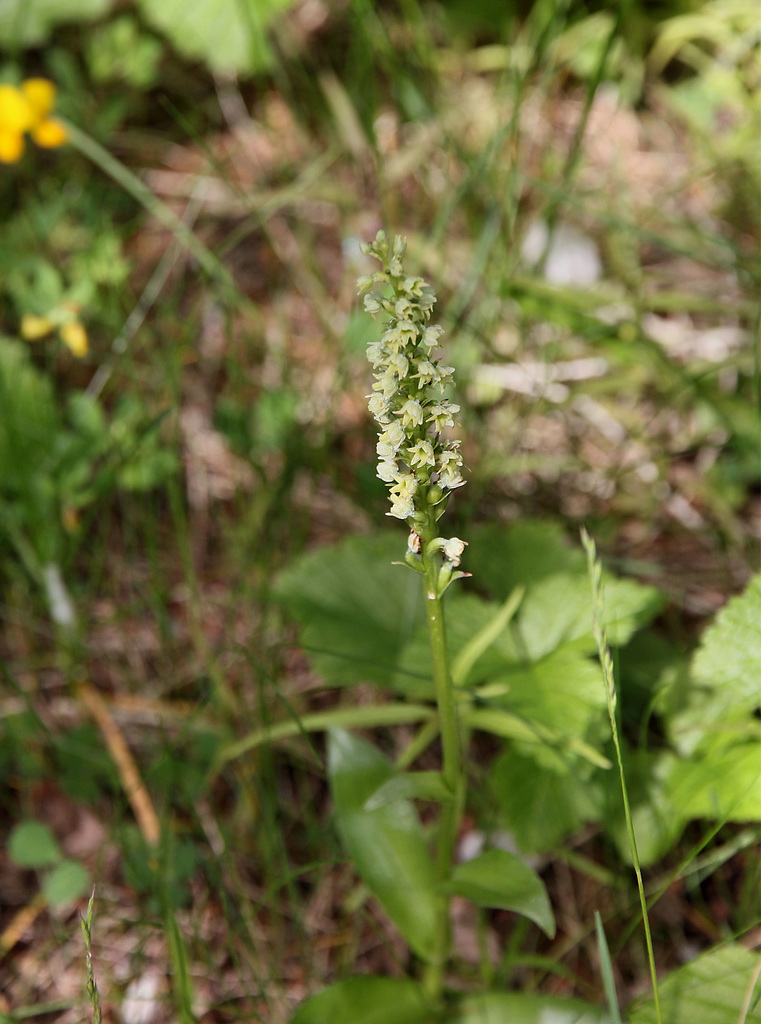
[595,575]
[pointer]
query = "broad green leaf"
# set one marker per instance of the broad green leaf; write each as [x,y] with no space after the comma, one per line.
[709,990]
[694,715]
[729,658]
[361,618]
[720,694]
[367,999]
[563,692]
[32,845]
[646,668]
[387,846]
[25,23]
[498,879]
[515,1008]
[521,555]
[540,806]
[227,35]
[410,786]
[356,609]
[722,781]
[558,610]
[65,883]
[688,711]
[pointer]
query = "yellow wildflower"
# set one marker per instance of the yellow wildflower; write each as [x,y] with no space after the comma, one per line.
[27,109]
[74,336]
[65,319]
[16,117]
[34,327]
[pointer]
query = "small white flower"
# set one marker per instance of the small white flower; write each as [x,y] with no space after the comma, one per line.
[401,508]
[416,287]
[406,484]
[387,471]
[404,308]
[412,413]
[399,364]
[403,496]
[399,336]
[449,456]
[394,433]
[451,478]
[390,440]
[431,335]
[387,384]
[427,373]
[422,454]
[449,464]
[442,414]
[376,354]
[405,487]
[452,549]
[379,407]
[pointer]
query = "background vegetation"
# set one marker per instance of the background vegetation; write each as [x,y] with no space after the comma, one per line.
[582,184]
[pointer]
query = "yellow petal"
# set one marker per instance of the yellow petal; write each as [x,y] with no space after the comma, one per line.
[74,336]
[35,327]
[40,94]
[50,133]
[16,112]
[11,145]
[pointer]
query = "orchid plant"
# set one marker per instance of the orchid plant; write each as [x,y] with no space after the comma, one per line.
[420,461]
[422,466]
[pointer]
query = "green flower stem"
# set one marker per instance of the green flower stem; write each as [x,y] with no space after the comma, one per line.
[452,770]
[421,465]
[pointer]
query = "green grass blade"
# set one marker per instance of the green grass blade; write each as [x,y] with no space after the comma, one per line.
[367,717]
[481,642]
[606,967]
